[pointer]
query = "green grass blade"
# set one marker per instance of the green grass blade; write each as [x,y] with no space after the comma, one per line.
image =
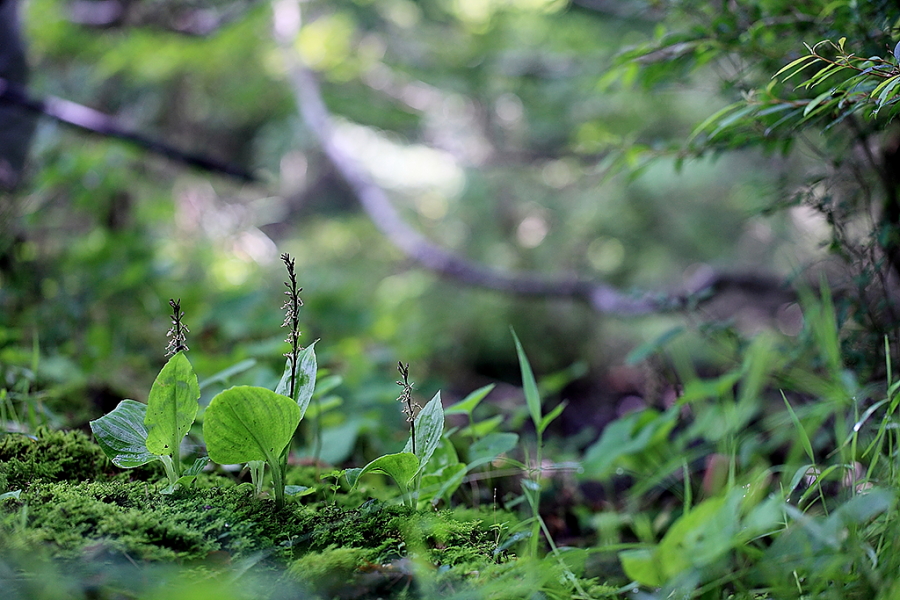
[467,405]
[804,438]
[529,385]
[171,407]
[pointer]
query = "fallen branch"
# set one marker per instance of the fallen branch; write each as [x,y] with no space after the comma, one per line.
[94,121]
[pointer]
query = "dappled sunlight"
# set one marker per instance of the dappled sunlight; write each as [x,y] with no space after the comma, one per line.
[240,248]
[606,254]
[477,13]
[532,231]
[403,167]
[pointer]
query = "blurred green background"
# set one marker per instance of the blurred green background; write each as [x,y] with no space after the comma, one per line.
[506,131]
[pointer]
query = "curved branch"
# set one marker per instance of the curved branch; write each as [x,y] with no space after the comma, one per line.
[195,21]
[93,121]
[602,297]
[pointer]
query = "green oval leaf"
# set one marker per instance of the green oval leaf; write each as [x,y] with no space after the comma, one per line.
[172,405]
[247,423]
[429,428]
[305,378]
[642,565]
[443,483]
[490,447]
[226,374]
[401,467]
[198,466]
[14,495]
[299,490]
[122,436]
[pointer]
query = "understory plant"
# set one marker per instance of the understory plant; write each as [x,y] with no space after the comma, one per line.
[780,475]
[134,434]
[406,468]
[243,424]
[254,425]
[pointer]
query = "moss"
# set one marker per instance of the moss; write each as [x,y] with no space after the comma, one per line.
[77,518]
[374,551]
[135,519]
[372,526]
[75,506]
[52,456]
[49,456]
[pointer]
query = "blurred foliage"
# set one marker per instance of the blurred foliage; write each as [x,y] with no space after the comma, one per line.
[640,143]
[538,134]
[839,114]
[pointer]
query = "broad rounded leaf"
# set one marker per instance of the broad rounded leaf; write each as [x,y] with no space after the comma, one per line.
[702,536]
[247,423]
[642,565]
[172,405]
[122,436]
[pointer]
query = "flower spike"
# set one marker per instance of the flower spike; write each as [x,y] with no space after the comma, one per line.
[177,343]
[291,310]
[411,408]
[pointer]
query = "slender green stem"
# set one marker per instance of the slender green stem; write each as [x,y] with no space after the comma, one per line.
[175,445]
[534,496]
[277,466]
[171,472]
[257,473]
[555,551]
[317,435]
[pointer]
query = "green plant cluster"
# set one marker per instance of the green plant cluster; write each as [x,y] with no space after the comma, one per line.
[255,426]
[243,424]
[782,473]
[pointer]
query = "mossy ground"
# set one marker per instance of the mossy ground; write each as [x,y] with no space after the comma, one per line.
[76,512]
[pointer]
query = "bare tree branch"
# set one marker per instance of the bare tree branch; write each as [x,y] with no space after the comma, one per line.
[94,121]
[189,20]
[602,297]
